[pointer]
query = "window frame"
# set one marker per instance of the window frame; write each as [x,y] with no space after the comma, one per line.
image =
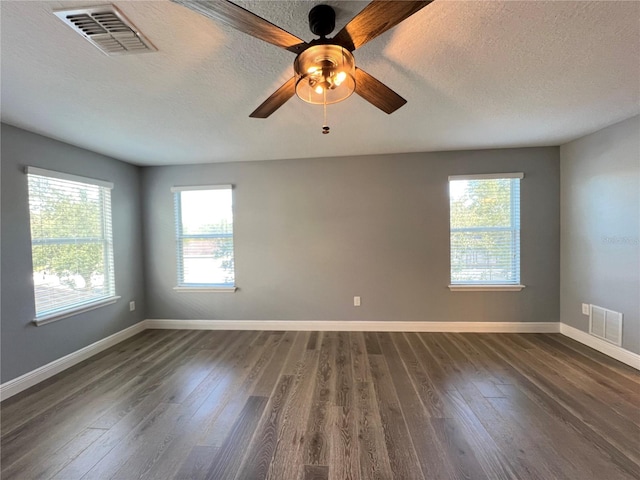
[181,286]
[515,228]
[106,239]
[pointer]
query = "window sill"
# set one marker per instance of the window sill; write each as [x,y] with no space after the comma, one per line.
[205,289]
[54,317]
[486,288]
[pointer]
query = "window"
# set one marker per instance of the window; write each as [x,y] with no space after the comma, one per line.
[204,237]
[485,229]
[71,243]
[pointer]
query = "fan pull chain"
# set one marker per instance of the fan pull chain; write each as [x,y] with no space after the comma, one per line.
[325,127]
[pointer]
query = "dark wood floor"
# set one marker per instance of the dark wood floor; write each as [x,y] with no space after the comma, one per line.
[308,405]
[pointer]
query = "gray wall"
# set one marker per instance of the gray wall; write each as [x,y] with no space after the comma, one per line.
[311,234]
[25,346]
[600,227]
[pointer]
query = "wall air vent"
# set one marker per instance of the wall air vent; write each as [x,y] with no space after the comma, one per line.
[605,324]
[107,28]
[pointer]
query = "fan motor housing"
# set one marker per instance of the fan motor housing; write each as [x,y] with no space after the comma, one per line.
[322,20]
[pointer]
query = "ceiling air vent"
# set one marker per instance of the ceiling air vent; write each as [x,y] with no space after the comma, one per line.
[108,29]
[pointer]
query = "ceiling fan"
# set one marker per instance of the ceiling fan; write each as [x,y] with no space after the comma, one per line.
[325,70]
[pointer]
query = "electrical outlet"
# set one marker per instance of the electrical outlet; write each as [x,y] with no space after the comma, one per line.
[132,306]
[585,309]
[356,301]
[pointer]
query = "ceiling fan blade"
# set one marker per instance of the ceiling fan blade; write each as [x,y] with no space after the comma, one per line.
[375,19]
[377,93]
[276,100]
[243,20]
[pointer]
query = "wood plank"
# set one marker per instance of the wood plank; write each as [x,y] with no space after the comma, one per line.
[131,451]
[189,423]
[427,405]
[343,391]
[371,342]
[317,440]
[296,354]
[429,453]
[493,461]
[436,372]
[402,455]
[629,381]
[598,388]
[190,417]
[316,444]
[344,452]
[558,410]
[315,472]
[21,408]
[456,446]
[430,393]
[467,359]
[116,434]
[30,466]
[468,344]
[532,459]
[554,438]
[288,455]
[224,405]
[197,463]
[610,379]
[229,458]
[619,432]
[261,450]
[360,365]
[59,423]
[273,370]
[313,341]
[374,458]
[587,353]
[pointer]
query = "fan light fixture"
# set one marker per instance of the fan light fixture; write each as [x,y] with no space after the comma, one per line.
[325,74]
[325,71]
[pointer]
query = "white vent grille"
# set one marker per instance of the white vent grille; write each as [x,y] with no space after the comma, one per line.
[605,324]
[107,28]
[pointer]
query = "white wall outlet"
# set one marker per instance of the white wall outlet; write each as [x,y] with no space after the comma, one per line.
[585,309]
[356,301]
[132,306]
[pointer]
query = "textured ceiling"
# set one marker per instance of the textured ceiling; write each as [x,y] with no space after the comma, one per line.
[479,74]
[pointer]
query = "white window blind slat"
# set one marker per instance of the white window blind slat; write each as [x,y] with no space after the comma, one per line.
[204,236]
[485,229]
[71,241]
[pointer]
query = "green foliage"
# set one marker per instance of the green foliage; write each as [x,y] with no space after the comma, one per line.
[481,220]
[73,222]
[482,204]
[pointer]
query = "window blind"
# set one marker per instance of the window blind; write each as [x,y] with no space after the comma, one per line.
[204,236]
[71,241]
[485,229]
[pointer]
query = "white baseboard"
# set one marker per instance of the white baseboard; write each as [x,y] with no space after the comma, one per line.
[614,351]
[29,379]
[356,326]
[38,375]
